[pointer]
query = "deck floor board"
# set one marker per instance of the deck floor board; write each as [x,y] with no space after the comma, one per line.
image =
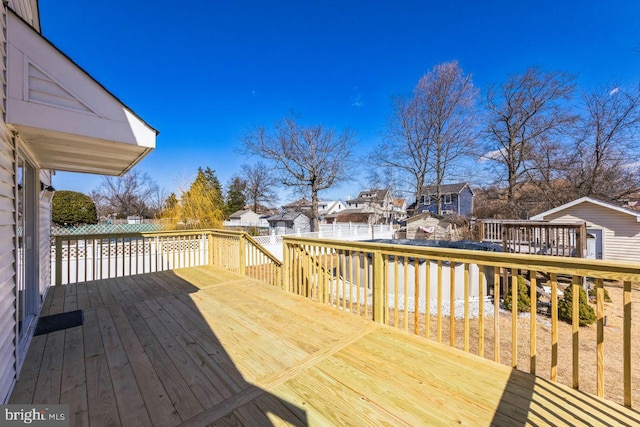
[203,346]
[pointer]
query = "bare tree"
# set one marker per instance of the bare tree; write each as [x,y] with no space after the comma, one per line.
[428,132]
[260,184]
[127,195]
[310,157]
[528,109]
[406,146]
[449,100]
[604,163]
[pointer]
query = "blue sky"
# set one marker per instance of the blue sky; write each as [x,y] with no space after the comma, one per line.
[205,72]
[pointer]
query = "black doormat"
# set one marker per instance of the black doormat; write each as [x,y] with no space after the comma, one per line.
[58,322]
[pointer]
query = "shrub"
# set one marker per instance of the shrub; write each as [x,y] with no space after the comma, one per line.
[72,208]
[524,299]
[586,313]
[607,298]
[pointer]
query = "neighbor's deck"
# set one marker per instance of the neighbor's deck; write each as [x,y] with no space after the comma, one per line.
[203,346]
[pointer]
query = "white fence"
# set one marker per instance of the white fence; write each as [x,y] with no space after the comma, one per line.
[101,258]
[351,232]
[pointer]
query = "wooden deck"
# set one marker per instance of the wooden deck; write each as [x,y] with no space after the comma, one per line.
[203,346]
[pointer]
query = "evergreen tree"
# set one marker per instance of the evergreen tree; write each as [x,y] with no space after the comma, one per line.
[235,196]
[72,208]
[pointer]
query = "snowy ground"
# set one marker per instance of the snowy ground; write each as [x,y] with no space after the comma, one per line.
[474,304]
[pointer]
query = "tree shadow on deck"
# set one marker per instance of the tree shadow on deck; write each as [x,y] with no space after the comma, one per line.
[154,349]
[528,399]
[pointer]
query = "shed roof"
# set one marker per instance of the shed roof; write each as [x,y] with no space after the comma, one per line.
[541,216]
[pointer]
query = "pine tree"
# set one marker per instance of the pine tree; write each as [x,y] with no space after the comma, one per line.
[235,196]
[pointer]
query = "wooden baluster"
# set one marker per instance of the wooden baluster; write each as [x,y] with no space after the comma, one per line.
[554,327]
[496,313]
[482,279]
[405,263]
[416,296]
[626,330]
[452,304]
[514,318]
[427,296]
[600,337]
[575,325]
[439,319]
[532,321]
[466,306]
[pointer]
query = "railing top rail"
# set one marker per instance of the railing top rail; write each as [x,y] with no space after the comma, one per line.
[136,234]
[563,265]
[273,259]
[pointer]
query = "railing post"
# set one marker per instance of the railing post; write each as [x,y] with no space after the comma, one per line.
[58,260]
[286,267]
[210,259]
[379,289]
[243,256]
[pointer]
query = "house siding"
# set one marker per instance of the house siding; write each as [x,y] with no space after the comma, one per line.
[27,10]
[620,232]
[8,362]
[465,202]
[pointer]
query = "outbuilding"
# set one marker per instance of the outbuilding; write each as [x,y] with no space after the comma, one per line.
[613,232]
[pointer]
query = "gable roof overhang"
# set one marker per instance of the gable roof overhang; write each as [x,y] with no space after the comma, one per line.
[68,120]
[543,215]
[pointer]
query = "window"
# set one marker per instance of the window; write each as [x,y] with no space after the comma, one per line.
[447,199]
[426,199]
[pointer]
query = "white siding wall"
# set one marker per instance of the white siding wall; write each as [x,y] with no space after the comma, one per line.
[7,242]
[27,10]
[620,232]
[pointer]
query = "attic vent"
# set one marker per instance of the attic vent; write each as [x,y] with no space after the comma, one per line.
[43,89]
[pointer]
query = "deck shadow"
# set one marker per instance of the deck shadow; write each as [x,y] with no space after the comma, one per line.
[145,359]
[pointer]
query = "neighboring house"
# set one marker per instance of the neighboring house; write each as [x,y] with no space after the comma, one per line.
[244,217]
[378,202]
[613,232]
[300,205]
[325,207]
[55,117]
[289,223]
[355,216]
[399,209]
[454,199]
[329,207]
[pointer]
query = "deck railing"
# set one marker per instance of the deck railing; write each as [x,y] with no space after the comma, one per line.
[85,257]
[535,237]
[436,292]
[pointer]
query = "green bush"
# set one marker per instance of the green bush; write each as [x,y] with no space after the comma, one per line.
[607,298]
[524,299]
[586,313]
[72,208]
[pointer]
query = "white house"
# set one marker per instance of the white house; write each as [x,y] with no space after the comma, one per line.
[616,230]
[377,202]
[244,217]
[288,223]
[329,207]
[55,117]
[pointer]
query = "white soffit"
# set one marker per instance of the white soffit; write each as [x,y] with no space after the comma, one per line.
[69,121]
